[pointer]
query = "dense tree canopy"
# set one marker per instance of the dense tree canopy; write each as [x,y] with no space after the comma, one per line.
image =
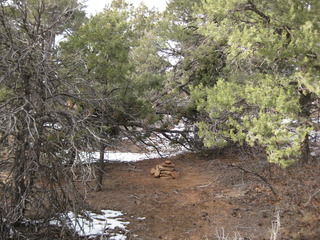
[271,76]
[234,71]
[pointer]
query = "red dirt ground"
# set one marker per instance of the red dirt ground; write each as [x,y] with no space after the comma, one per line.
[210,197]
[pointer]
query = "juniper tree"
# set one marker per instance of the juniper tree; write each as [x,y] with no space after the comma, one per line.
[271,76]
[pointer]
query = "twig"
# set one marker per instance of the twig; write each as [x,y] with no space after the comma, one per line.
[310,198]
[275,227]
[216,179]
[132,169]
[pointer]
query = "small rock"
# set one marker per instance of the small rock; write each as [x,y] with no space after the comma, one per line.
[157,172]
[175,174]
[166,168]
[152,171]
[168,165]
[165,177]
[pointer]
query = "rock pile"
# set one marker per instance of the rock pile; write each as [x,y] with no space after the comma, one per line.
[165,170]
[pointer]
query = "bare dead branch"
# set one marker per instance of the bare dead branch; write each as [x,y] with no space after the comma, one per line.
[259,176]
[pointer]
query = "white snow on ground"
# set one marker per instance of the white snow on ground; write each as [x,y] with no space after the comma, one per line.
[315,139]
[90,157]
[164,146]
[91,224]
[316,120]
[314,135]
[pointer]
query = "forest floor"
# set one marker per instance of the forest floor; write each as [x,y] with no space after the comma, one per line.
[217,196]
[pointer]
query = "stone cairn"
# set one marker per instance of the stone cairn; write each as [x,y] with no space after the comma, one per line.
[165,170]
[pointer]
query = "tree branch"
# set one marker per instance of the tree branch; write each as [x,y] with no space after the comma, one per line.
[259,176]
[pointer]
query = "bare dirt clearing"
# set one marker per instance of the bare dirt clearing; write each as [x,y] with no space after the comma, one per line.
[210,197]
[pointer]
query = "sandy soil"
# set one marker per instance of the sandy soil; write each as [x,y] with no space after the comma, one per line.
[211,199]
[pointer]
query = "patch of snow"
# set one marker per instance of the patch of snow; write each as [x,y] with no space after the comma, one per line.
[316,120]
[181,126]
[159,146]
[114,156]
[286,121]
[55,126]
[91,224]
[314,136]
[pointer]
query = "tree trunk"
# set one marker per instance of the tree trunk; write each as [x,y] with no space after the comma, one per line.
[305,115]
[72,156]
[100,168]
[19,190]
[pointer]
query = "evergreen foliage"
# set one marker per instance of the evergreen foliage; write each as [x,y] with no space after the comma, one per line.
[264,95]
[243,71]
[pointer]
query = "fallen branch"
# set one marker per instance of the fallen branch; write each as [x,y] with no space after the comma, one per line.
[259,176]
